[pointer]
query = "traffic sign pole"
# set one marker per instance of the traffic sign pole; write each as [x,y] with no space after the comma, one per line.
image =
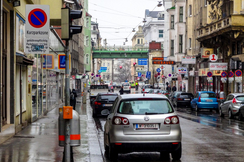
[67,149]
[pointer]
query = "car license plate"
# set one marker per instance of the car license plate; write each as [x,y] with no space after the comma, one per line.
[209,100]
[107,104]
[146,126]
[187,99]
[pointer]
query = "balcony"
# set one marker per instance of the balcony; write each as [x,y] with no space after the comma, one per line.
[232,23]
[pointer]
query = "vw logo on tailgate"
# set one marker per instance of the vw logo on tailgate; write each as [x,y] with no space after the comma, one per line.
[146,118]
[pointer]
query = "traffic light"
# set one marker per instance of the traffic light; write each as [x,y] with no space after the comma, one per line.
[67,16]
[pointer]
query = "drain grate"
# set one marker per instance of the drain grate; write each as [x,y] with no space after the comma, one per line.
[23,136]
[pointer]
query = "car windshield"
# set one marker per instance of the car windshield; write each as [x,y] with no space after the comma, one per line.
[240,98]
[142,107]
[108,97]
[208,95]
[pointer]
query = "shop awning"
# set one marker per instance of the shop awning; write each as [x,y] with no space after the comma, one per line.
[23,60]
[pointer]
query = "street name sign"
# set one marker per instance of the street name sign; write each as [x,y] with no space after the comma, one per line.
[37,29]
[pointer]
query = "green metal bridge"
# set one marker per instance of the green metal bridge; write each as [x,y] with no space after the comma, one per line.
[120,52]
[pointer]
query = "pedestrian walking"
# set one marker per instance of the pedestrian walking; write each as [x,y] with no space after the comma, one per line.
[169,88]
[73,96]
[174,88]
[121,91]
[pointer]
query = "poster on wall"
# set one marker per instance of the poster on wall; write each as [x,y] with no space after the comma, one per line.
[182,70]
[206,52]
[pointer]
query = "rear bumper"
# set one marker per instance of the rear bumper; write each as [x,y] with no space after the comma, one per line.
[212,105]
[146,147]
[183,103]
[98,110]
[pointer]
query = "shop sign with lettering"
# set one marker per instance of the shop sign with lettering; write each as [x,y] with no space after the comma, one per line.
[218,66]
[188,60]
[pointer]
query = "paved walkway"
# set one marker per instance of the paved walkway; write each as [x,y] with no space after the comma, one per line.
[38,142]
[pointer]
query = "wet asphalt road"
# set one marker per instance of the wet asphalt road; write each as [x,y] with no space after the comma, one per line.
[206,138]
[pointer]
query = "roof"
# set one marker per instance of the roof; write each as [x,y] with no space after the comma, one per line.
[141,96]
[88,15]
[236,94]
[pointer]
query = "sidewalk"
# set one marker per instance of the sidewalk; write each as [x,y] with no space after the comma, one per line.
[39,141]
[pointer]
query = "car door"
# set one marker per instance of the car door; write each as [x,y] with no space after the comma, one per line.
[226,104]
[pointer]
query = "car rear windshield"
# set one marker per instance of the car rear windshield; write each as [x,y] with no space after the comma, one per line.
[126,84]
[107,97]
[99,87]
[208,95]
[240,98]
[142,107]
[186,95]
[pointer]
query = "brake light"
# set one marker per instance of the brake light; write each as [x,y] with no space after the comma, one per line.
[179,99]
[97,103]
[171,120]
[234,101]
[199,99]
[117,120]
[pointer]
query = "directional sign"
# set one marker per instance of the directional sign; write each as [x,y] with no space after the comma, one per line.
[62,60]
[158,70]
[139,74]
[224,74]
[230,74]
[38,21]
[209,74]
[103,68]
[99,71]
[238,73]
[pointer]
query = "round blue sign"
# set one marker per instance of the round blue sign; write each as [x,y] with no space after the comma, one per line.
[209,74]
[37,18]
[238,73]
[231,74]
[97,75]
[224,74]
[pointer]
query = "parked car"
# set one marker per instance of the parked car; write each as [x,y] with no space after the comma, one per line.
[146,86]
[232,105]
[127,87]
[148,90]
[173,95]
[205,100]
[139,123]
[103,101]
[182,99]
[161,85]
[141,84]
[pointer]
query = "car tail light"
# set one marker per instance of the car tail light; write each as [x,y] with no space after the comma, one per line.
[171,120]
[97,103]
[120,121]
[130,87]
[179,99]
[199,99]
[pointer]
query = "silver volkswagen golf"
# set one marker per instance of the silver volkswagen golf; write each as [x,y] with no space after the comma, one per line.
[142,123]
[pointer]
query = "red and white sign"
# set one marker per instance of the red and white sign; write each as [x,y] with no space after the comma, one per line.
[213,58]
[73,76]
[188,60]
[218,66]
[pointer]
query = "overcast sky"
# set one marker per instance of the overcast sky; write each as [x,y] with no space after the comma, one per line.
[117,18]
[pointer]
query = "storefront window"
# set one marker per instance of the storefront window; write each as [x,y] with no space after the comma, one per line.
[34,90]
[40,86]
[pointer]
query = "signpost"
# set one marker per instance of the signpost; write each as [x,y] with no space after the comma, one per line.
[37,29]
[139,74]
[158,70]
[148,75]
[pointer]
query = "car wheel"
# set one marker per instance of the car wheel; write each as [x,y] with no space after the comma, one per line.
[112,153]
[196,109]
[220,112]
[230,114]
[176,155]
[240,117]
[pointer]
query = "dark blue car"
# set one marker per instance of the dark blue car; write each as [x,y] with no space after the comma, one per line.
[205,100]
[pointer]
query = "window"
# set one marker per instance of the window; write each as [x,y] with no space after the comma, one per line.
[87,22]
[190,10]
[189,43]
[138,41]
[172,22]
[94,27]
[161,33]
[180,43]
[239,47]
[141,41]
[103,77]
[108,63]
[162,46]
[87,40]
[205,2]
[20,34]
[172,48]
[181,14]
[87,59]
[103,64]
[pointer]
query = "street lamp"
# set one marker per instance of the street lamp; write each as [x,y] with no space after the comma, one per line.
[159,3]
[144,20]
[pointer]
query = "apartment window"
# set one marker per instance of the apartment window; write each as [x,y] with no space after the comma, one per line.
[181,14]
[87,40]
[161,33]
[205,2]
[87,22]
[172,48]
[94,27]
[190,10]
[108,70]
[141,41]
[103,64]
[239,47]
[87,58]
[189,43]
[103,77]
[180,43]
[138,41]
[108,63]
[172,22]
